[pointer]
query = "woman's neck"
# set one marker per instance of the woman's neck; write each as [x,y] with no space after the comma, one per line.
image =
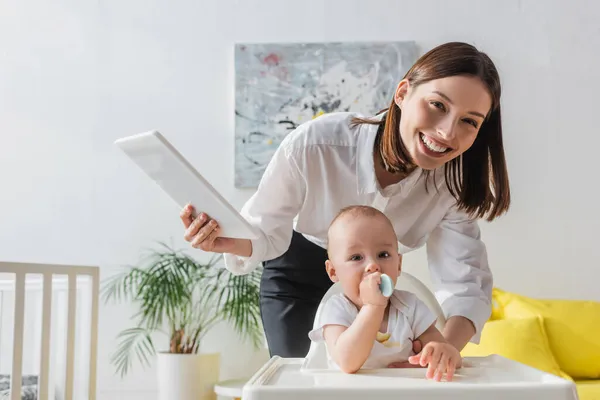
[384,177]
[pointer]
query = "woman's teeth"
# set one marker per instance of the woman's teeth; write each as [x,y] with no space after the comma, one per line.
[432,146]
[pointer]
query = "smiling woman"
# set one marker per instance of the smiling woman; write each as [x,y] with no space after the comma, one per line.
[448,128]
[444,119]
[450,100]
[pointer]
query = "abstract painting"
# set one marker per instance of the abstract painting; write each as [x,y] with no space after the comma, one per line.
[280,86]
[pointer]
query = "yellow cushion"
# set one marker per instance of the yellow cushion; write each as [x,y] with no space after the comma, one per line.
[522,340]
[588,390]
[496,309]
[572,328]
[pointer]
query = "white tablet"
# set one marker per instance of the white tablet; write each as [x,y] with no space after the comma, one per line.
[153,153]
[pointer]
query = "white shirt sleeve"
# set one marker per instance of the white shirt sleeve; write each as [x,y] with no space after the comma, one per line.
[272,208]
[459,269]
[335,311]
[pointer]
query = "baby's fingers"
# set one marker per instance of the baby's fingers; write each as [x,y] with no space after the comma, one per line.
[434,362]
[416,359]
[374,280]
[451,370]
[426,355]
[442,367]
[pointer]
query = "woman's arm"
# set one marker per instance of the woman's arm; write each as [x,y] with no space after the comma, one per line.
[460,273]
[239,247]
[458,331]
[432,334]
[272,209]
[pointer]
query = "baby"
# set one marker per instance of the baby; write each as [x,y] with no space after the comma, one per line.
[361,327]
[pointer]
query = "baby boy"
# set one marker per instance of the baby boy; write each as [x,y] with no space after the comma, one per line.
[362,328]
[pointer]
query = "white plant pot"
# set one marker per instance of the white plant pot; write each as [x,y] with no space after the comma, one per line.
[187,376]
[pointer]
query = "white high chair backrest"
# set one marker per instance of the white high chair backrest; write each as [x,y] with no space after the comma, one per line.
[317,353]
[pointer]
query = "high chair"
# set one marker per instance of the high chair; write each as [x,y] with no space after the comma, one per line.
[493,377]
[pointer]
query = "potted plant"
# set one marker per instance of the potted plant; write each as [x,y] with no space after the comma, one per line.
[183,299]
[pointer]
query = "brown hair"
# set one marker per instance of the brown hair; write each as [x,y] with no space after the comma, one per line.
[478,179]
[358,211]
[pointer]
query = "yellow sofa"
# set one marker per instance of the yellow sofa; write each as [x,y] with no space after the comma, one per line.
[561,337]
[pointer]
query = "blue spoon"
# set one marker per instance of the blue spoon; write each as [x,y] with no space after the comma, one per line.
[386,286]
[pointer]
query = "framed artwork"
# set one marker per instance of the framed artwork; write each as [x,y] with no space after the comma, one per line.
[280,86]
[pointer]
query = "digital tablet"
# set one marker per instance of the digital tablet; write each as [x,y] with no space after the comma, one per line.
[159,159]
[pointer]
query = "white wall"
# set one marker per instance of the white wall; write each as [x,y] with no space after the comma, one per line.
[75,75]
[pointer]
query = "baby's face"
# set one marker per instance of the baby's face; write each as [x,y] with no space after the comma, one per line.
[359,246]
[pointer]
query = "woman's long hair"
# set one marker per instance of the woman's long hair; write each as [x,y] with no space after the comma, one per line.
[478,179]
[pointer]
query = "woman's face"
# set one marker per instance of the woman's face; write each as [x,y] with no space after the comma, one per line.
[441,118]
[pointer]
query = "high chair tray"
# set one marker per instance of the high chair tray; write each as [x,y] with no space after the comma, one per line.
[490,378]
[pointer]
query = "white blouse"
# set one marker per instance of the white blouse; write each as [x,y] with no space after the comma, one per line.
[325,165]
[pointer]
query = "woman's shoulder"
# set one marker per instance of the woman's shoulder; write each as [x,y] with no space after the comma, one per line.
[335,129]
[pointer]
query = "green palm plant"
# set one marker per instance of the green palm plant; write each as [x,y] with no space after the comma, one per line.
[183,299]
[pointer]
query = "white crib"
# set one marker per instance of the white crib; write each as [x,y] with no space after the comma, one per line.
[48,330]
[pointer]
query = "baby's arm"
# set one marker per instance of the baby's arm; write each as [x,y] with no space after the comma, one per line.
[350,346]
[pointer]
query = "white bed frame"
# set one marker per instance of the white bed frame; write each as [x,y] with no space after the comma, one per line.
[45,287]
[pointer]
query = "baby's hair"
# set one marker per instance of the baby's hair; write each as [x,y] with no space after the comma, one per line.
[358,211]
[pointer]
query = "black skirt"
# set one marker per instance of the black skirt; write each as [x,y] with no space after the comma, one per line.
[291,289]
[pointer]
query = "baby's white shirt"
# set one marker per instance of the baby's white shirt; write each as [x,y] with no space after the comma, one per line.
[408,318]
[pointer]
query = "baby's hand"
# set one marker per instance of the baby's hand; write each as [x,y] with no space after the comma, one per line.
[369,290]
[440,358]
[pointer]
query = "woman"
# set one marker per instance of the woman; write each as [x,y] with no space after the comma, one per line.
[433,163]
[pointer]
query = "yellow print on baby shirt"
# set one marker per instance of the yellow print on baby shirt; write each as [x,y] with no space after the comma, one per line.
[383,338]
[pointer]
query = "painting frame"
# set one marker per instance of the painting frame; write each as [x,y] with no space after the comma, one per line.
[279,86]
